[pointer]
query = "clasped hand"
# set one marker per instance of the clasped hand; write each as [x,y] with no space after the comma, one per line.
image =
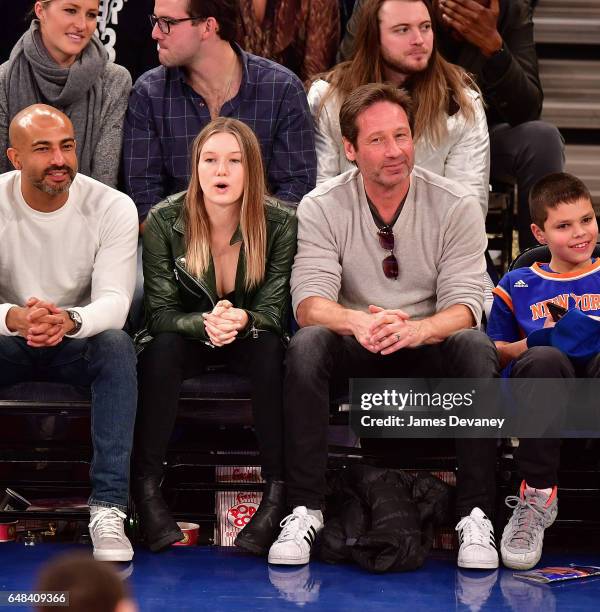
[41,323]
[224,322]
[386,331]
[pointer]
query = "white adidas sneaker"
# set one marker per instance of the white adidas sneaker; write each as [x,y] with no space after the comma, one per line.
[477,543]
[295,541]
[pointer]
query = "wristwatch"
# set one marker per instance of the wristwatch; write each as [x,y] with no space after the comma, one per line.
[498,53]
[77,321]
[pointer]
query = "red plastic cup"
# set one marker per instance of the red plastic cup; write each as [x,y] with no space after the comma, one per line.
[190,534]
[8,531]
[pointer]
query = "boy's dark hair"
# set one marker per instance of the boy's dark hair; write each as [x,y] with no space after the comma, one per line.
[226,12]
[552,190]
[92,586]
[364,97]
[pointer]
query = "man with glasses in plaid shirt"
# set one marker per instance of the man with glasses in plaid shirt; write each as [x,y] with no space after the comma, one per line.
[387,281]
[203,75]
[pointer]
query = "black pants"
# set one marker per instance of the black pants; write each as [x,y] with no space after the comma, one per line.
[170,359]
[537,459]
[319,360]
[525,153]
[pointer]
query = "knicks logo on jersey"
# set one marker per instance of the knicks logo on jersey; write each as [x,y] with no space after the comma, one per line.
[585,303]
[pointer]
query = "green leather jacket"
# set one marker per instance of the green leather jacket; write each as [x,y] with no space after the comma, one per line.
[175,300]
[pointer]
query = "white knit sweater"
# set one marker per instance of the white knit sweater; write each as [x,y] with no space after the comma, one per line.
[82,255]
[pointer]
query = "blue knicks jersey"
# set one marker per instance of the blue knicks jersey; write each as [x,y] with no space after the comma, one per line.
[520,298]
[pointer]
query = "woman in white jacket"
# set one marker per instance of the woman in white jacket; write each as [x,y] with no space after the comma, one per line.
[395,43]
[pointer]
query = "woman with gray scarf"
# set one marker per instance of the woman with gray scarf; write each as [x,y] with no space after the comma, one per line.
[60,62]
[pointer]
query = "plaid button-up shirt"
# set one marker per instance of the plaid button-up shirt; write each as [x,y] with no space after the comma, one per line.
[165,115]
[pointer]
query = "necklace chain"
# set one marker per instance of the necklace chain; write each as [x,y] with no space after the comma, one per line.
[221,101]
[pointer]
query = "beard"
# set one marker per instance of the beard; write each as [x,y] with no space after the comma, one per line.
[404,68]
[58,189]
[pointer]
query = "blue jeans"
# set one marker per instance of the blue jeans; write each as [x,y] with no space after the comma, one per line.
[107,363]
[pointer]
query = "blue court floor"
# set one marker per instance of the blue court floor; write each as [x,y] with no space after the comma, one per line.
[210,578]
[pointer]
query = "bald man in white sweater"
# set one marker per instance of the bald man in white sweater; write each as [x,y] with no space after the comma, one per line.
[67,273]
[387,281]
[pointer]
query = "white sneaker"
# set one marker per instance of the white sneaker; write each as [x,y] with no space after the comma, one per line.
[295,541]
[477,544]
[523,536]
[295,584]
[473,589]
[108,537]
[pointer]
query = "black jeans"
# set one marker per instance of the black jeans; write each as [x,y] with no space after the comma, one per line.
[538,460]
[171,358]
[319,360]
[525,153]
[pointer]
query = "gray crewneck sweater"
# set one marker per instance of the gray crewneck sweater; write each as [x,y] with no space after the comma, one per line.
[439,244]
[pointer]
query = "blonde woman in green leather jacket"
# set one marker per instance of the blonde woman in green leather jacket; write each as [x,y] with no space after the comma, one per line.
[217,263]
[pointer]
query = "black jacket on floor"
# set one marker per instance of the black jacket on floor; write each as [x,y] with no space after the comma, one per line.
[382,519]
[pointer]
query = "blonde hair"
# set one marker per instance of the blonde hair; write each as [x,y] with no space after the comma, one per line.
[44,2]
[433,91]
[253,222]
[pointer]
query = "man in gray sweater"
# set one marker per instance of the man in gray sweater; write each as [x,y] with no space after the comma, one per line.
[388,281]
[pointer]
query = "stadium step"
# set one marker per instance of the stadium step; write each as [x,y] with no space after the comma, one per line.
[575,22]
[584,161]
[571,93]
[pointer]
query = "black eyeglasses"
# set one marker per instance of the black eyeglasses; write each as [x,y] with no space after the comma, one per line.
[390,263]
[164,23]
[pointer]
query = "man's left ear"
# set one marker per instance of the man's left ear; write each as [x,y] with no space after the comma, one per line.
[13,155]
[211,25]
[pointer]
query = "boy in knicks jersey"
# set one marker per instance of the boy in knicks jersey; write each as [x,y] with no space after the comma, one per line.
[563,218]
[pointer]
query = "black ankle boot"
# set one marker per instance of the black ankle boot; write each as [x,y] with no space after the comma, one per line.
[258,535]
[158,526]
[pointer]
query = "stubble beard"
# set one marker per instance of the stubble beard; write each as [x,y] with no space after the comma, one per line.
[392,181]
[52,190]
[49,190]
